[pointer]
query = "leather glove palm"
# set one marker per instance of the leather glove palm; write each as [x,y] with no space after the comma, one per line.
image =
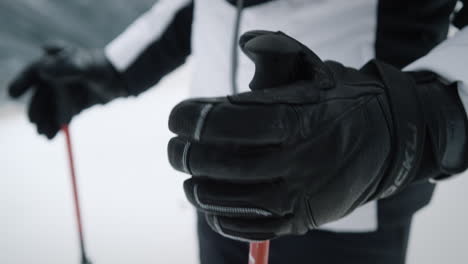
[65,81]
[312,141]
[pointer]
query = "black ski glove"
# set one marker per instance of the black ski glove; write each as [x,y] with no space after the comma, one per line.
[312,141]
[65,81]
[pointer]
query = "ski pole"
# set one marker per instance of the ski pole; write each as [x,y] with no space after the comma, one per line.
[259,252]
[66,131]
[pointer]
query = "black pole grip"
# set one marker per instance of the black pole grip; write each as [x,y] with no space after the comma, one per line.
[276,59]
[281,60]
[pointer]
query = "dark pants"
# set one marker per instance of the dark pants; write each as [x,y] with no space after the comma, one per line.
[386,245]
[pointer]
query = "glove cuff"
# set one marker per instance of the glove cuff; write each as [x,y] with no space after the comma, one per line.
[446,125]
[406,125]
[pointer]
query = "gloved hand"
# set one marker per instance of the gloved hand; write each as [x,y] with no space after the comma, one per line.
[312,141]
[65,81]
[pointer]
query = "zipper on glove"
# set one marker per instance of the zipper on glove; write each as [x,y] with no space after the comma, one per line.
[230,211]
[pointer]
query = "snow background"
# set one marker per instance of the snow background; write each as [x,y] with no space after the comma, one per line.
[133,204]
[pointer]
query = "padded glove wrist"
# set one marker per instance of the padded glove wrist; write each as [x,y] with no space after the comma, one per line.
[446,125]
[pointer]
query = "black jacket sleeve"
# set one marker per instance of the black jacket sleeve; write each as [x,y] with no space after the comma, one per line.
[408,30]
[162,54]
[461,17]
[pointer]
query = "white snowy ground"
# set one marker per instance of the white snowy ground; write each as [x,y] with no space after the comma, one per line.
[133,204]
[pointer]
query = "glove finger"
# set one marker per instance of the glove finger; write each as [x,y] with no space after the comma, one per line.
[42,112]
[25,80]
[64,104]
[249,201]
[249,230]
[224,122]
[227,162]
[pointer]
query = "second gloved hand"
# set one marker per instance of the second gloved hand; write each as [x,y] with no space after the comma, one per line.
[313,141]
[65,81]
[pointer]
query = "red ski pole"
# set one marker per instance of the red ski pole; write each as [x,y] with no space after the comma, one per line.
[84,258]
[259,252]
